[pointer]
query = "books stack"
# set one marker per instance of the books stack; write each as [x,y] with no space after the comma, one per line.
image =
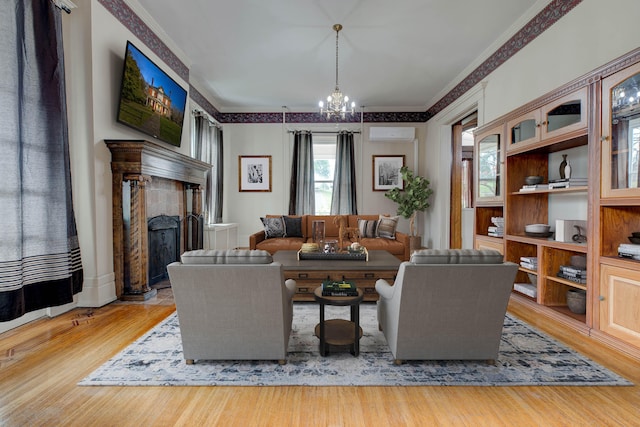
[629,250]
[534,187]
[529,262]
[497,229]
[575,274]
[339,289]
[526,288]
[568,182]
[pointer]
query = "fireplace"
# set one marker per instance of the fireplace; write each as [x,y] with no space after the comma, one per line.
[164,245]
[147,177]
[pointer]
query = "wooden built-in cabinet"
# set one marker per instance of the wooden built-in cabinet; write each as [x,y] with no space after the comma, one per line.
[618,296]
[595,122]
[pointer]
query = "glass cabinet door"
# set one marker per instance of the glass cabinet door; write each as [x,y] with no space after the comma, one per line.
[524,129]
[565,115]
[621,134]
[489,166]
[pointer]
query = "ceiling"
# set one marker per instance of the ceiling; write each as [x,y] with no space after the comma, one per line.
[401,55]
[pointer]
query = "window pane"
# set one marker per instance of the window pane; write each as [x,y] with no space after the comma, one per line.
[324,191]
[323,169]
[324,161]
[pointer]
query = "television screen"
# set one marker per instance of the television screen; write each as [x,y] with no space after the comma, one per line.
[150,100]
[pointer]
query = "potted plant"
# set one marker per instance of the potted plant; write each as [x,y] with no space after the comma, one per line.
[413,199]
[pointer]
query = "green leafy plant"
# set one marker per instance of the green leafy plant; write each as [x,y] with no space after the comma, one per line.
[414,198]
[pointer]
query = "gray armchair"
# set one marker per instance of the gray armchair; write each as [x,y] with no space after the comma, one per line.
[446,305]
[232,305]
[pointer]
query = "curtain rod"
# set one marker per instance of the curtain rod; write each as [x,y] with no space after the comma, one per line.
[324,131]
[200,113]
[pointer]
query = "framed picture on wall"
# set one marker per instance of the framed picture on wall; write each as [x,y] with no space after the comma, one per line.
[386,172]
[254,173]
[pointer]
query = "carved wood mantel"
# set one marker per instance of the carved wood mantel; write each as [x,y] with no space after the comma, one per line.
[135,162]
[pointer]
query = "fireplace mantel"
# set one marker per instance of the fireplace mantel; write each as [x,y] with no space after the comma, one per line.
[151,159]
[136,162]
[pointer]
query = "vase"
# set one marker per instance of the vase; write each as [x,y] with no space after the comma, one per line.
[567,171]
[563,166]
[317,230]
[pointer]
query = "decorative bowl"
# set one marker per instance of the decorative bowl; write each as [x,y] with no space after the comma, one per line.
[537,228]
[636,234]
[546,234]
[533,180]
[634,240]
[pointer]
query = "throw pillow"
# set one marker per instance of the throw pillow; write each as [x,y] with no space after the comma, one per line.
[292,226]
[387,226]
[273,227]
[367,228]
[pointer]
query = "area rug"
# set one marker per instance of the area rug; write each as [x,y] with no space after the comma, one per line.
[527,357]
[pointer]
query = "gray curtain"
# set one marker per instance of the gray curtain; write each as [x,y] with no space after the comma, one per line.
[343,200]
[301,189]
[40,263]
[207,146]
[217,177]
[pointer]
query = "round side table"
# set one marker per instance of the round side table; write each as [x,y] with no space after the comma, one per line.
[339,332]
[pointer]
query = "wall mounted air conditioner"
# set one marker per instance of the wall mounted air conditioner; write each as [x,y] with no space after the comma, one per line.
[392,134]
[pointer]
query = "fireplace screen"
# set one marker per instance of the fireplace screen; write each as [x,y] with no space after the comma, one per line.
[164,245]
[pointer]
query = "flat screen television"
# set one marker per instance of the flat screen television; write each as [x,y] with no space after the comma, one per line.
[150,100]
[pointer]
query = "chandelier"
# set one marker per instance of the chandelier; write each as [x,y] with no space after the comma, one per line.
[337,102]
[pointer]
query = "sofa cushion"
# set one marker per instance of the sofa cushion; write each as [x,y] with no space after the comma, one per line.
[367,228]
[387,226]
[457,256]
[273,227]
[292,226]
[231,256]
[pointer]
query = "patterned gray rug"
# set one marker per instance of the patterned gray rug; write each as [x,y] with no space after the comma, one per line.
[527,357]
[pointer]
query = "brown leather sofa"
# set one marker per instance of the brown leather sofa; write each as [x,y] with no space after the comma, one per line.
[399,246]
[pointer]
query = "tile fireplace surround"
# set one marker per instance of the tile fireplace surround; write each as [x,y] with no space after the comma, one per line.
[134,165]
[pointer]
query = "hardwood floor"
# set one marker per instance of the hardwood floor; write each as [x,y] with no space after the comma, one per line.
[40,364]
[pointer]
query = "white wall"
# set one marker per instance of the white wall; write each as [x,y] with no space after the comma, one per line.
[590,35]
[246,208]
[95,43]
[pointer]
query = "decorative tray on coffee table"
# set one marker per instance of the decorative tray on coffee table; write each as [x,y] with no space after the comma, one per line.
[342,255]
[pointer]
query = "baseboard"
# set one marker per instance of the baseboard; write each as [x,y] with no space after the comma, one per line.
[98,291]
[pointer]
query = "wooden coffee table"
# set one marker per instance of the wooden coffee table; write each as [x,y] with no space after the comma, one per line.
[339,332]
[309,274]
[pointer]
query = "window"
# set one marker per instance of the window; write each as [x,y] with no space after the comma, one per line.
[467,168]
[324,161]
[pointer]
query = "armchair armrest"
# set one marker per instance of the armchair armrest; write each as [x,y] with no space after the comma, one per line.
[256,238]
[290,284]
[404,239]
[384,289]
